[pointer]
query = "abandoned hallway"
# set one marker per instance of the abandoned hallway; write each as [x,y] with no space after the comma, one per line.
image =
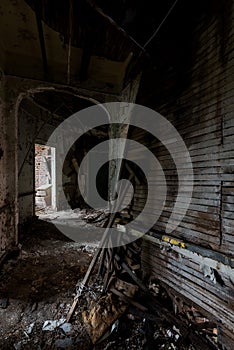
[116,174]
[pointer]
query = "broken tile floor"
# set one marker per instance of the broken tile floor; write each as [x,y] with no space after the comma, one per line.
[39,287]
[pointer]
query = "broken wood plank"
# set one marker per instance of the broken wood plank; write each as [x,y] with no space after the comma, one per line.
[131,274]
[128,300]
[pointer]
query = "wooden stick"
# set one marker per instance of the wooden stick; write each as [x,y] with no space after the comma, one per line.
[100,248]
[90,269]
[94,260]
[128,300]
[131,274]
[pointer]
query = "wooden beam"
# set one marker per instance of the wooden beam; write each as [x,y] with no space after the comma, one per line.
[131,274]
[95,258]
[91,266]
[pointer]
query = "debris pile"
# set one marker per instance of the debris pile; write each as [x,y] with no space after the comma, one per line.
[102,316]
[75,216]
[116,308]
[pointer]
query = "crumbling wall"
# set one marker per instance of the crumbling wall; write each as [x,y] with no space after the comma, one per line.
[14,154]
[8,166]
[24,123]
[34,125]
[42,173]
[18,131]
[26,130]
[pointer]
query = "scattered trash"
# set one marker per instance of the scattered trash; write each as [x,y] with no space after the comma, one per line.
[29,329]
[101,320]
[34,307]
[176,330]
[50,325]
[102,315]
[113,328]
[66,327]
[169,333]
[154,288]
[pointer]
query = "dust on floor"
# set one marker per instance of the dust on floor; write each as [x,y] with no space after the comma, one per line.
[37,289]
[39,286]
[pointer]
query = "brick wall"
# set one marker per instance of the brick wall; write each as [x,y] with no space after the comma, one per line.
[42,174]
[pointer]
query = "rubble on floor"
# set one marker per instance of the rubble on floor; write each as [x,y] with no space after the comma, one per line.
[103,313]
[74,216]
[80,225]
[38,287]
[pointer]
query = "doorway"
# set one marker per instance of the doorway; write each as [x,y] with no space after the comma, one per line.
[45,178]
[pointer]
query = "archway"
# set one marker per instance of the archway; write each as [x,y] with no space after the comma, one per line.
[38,116]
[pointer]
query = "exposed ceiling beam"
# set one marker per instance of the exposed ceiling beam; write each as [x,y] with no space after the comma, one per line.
[114,24]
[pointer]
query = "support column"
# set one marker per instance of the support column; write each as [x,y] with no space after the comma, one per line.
[120,120]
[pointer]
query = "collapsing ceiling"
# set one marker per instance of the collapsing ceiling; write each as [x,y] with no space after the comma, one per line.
[61,57]
[48,44]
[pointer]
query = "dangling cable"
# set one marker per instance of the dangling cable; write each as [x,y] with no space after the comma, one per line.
[160,25]
[70,42]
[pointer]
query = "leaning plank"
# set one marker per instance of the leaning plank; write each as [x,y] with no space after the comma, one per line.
[91,266]
[96,255]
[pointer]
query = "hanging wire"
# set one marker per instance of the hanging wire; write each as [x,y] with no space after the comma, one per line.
[160,25]
[151,38]
[70,41]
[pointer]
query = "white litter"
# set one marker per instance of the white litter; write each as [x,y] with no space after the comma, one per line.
[50,325]
[29,329]
[66,327]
